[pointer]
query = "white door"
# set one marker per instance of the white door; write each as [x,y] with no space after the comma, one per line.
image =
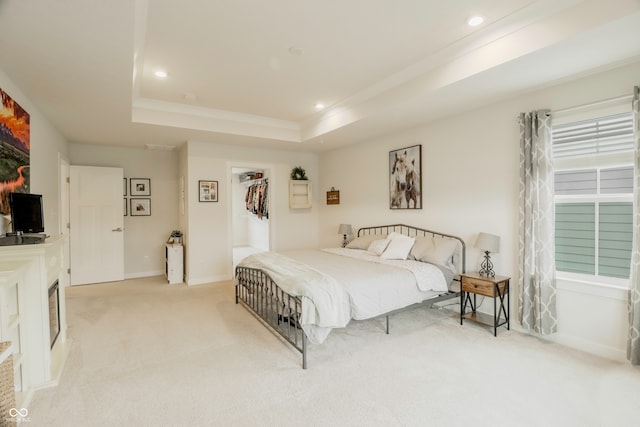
[96,216]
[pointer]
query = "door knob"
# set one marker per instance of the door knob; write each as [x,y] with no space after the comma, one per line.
[119,229]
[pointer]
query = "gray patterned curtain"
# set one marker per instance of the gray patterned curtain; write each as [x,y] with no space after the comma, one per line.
[537,296]
[633,344]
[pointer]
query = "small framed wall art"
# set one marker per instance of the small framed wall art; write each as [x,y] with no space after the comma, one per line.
[333,197]
[140,207]
[140,187]
[208,191]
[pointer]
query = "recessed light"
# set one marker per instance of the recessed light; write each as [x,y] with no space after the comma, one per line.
[474,21]
[319,106]
[161,74]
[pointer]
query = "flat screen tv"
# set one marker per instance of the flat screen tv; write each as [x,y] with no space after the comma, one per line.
[26,212]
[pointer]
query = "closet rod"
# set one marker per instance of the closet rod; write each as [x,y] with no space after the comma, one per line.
[256,181]
[593,104]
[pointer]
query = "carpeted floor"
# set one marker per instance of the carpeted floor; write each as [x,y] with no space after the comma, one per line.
[145,353]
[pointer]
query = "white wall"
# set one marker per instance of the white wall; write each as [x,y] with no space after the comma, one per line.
[209,237]
[144,236]
[47,146]
[470,184]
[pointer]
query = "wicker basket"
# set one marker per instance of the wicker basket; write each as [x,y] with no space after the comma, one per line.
[7,386]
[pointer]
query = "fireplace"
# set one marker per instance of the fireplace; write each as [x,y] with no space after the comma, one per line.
[54,312]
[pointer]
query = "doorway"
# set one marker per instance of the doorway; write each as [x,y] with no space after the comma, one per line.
[251,211]
[64,221]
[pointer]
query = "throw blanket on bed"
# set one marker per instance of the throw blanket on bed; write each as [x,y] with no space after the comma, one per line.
[325,303]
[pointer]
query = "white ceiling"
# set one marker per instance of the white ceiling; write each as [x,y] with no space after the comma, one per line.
[378,65]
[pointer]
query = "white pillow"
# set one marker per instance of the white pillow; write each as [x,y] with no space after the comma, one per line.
[363,242]
[377,247]
[435,250]
[398,248]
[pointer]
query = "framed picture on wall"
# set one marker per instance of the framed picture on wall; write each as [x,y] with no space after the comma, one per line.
[125,207]
[405,178]
[124,186]
[208,191]
[140,186]
[140,207]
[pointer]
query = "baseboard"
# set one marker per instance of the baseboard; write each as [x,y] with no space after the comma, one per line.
[576,343]
[144,274]
[588,346]
[59,359]
[205,280]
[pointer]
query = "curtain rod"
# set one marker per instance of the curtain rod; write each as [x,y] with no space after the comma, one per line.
[593,104]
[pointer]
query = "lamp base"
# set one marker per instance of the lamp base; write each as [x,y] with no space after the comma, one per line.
[345,242]
[486,268]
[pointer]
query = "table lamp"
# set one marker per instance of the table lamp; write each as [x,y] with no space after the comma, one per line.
[488,243]
[345,230]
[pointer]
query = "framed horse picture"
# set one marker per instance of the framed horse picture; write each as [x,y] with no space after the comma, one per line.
[405,178]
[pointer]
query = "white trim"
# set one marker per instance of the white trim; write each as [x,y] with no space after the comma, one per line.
[143,274]
[590,347]
[208,280]
[595,109]
[569,282]
[594,198]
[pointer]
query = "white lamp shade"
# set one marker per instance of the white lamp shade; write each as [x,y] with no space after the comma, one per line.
[345,229]
[488,242]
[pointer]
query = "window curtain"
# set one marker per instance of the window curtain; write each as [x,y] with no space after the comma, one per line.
[537,296]
[633,344]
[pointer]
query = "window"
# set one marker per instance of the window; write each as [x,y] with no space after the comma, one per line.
[594,198]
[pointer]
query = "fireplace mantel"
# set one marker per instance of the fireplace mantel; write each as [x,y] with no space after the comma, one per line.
[26,274]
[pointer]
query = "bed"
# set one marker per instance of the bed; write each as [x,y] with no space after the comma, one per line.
[302,295]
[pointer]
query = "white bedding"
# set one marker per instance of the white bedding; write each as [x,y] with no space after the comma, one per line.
[352,284]
[324,301]
[428,276]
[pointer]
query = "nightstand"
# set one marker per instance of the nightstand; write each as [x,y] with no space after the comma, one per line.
[493,287]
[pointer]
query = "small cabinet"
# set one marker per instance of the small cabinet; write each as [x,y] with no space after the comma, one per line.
[174,263]
[299,194]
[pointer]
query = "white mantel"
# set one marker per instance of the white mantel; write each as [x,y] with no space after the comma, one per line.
[26,273]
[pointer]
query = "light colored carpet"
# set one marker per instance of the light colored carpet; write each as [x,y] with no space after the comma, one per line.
[146,353]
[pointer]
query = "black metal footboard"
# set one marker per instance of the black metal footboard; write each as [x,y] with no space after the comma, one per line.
[273,306]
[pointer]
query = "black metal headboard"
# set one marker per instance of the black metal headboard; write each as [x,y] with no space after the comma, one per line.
[411,231]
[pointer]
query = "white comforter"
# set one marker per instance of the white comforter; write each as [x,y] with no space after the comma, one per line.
[428,277]
[336,285]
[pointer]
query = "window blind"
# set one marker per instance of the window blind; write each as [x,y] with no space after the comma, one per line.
[609,134]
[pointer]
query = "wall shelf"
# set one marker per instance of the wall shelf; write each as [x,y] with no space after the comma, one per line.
[299,194]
